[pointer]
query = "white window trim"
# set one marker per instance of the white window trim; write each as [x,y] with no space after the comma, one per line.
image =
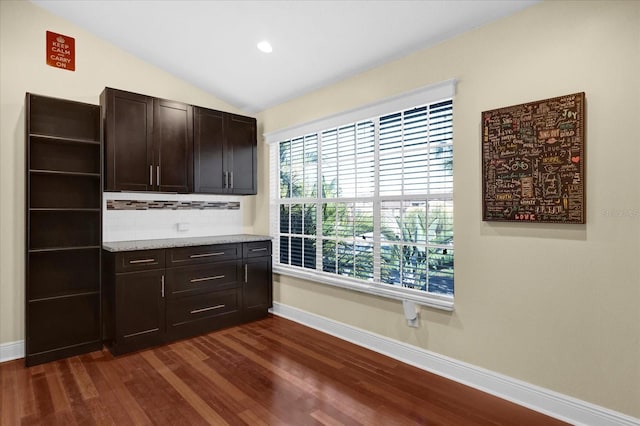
[425,95]
[398,293]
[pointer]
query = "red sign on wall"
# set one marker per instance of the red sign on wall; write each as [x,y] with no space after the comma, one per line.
[61,51]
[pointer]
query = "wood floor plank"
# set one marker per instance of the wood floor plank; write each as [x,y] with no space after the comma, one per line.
[113,388]
[164,406]
[70,386]
[251,418]
[344,381]
[262,387]
[287,344]
[197,403]
[9,401]
[85,384]
[268,372]
[202,383]
[284,369]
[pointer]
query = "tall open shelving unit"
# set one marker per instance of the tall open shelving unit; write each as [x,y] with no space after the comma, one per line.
[63,228]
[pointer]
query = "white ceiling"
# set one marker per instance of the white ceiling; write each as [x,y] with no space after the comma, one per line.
[212,44]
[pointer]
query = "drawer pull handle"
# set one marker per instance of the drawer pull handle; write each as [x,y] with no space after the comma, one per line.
[210,308]
[195,256]
[142,261]
[151,330]
[260,249]
[197,280]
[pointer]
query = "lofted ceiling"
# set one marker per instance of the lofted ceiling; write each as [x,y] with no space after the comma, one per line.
[212,44]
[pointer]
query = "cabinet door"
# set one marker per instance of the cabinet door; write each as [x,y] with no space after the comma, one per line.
[257,287]
[173,146]
[140,310]
[241,153]
[128,141]
[209,164]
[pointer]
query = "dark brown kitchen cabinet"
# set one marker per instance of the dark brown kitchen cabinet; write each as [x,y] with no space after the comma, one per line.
[134,300]
[148,143]
[208,151]
[225,153]
[158,296]
[258,286]
[203,289]
[63,228]
[140,309]
[173,146]
[128,138]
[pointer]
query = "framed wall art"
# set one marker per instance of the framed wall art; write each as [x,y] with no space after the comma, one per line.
[533,161]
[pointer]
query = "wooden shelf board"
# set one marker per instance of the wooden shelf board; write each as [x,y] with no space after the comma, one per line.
[64,139]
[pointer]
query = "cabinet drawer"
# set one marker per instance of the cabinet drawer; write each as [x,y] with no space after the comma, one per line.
[257,249]
[199,307]
[130,261]
[188,280]
[182,256]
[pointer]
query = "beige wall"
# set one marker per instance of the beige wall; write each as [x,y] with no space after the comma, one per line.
[23,69]
[554,305]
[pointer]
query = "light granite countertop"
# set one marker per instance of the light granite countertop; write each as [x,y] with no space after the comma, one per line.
[116,246]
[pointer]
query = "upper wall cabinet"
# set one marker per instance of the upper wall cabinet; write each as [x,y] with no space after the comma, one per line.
[225,153]
[148,143]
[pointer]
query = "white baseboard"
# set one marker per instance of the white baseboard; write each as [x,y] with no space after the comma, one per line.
[554,404]
[11,350]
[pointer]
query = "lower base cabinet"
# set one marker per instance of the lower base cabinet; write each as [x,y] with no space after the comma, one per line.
[257,297]
[139,310]
[153,297]
[193,315]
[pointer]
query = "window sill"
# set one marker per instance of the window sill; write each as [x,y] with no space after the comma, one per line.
[436,301]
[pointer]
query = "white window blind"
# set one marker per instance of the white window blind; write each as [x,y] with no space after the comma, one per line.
[369,204]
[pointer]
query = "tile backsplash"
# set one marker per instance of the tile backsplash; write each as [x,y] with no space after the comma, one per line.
[171,205]
[145,216]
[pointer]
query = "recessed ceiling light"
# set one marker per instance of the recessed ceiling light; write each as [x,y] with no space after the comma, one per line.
[265,46]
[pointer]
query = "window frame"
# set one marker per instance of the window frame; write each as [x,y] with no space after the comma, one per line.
[424,96]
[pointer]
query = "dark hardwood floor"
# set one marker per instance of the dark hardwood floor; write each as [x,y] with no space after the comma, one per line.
[270,372]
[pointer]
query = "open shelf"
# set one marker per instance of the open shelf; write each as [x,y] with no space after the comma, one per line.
[59,190]
[63,118]
[51,155]
[52,229]
[63,273]
[63,322]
